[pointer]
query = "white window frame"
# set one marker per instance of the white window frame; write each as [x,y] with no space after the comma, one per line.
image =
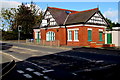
[50,36]
[77,29]
[75,35]
[69,35]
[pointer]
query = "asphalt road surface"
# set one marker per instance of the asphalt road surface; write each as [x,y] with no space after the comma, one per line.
[40,63]
[22,51]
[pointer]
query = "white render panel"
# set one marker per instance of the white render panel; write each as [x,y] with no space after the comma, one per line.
[97,15]
[118,38]
[105,38]
[115,38]
[47,13]
[36,32]
[52,19]
[44,23]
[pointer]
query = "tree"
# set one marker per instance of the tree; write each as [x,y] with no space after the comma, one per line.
[28,17]
[112,24]
[7,18]
[117,25]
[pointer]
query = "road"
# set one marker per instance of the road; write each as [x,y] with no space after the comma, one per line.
[22,51]
[42,63]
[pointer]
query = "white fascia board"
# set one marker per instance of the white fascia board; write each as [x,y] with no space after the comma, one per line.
[86,25]
[73,29]
[95,26]
[75,25]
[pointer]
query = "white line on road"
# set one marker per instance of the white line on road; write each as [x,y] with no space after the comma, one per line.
[25,48]
[11,56]
[24,61]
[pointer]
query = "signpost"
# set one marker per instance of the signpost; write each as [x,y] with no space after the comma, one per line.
[19,29]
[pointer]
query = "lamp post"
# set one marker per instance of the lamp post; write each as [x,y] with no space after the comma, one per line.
[19,29]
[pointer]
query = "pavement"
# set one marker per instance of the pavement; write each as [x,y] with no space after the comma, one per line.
[34,44]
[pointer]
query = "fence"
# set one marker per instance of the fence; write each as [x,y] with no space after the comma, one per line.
[47,43]
[29,40]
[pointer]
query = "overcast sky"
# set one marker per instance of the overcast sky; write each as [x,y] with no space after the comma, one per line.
[108,9]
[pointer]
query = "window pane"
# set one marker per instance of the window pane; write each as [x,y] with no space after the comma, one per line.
[100,36]
[47,36]
[76,35]
[70,35]
[89,35]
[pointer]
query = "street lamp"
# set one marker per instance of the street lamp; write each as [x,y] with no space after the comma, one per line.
[19,29]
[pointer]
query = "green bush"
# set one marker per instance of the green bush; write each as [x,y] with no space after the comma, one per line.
[12,35]
[9,35]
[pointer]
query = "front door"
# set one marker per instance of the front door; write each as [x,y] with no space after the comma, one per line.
[109,38]
[38,37]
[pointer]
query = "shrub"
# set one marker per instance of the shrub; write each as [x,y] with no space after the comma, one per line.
[9,35]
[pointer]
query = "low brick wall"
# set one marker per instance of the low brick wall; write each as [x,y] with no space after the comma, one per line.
[95,45]
[48,43]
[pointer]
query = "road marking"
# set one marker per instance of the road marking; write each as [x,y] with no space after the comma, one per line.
[20,71]
[47,78]
[24,61]
[29,69]
[38,73]
[25,48]
[35,65]
[28,50]
[45,71]
[19,51]
[12,56]
[27,75]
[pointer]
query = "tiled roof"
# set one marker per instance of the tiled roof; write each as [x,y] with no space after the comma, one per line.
[81,17]
[63,18]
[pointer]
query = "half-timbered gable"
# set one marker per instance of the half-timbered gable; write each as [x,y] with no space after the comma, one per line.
[48,20]
[97,18]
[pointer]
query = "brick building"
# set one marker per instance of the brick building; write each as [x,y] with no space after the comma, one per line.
[73,28]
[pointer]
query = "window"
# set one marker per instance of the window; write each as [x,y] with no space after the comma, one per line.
[89,35]
[69,35]
[76,35]
[100,36]
[50,36]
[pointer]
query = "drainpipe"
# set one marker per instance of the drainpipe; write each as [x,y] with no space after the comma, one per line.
[66,34]
[65,27]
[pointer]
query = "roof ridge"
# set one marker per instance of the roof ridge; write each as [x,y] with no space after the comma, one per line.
[63,9]
[84,11]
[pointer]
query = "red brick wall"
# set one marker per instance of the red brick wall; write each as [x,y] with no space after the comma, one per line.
[61,35]
[83,36]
